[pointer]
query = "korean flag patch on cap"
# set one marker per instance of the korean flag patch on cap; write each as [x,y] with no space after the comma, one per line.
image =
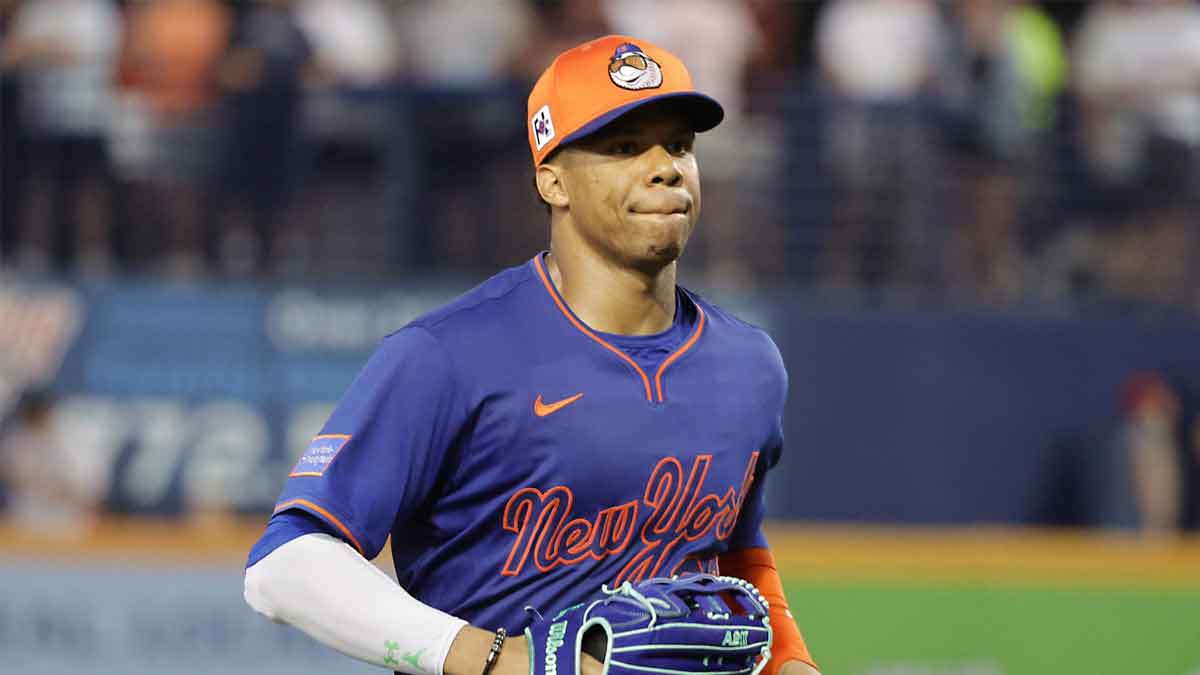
[543,127]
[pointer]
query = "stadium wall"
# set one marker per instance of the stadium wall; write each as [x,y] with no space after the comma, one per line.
[198,397]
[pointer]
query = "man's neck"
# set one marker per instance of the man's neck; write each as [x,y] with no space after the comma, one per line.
[612,298]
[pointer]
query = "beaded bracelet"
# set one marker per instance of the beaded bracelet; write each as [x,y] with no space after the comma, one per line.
[497,643]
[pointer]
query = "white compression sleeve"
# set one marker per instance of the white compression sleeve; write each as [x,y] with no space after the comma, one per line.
[320,585]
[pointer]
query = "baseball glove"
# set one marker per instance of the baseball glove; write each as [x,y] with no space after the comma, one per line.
[692,625]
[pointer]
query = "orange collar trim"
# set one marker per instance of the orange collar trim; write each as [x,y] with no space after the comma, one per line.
[539,265]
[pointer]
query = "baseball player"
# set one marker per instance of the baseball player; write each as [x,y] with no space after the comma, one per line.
[575,422]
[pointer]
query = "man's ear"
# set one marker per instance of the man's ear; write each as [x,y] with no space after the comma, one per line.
[550,185]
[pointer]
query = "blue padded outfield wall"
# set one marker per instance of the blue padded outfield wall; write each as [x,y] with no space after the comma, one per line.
[958,417]
[199,397]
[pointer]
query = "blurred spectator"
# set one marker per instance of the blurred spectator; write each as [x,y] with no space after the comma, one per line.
[1149,258]
[461,64]
[353,40]
[362,104]
[1151,451]
[452,44]
[878,51]
[165,138]
[878,57]
[557,25]
[13,151]
[262,76]
[783,49]
[1002,70]
[64,53]
[358,169]
[44,486]
[1138,80]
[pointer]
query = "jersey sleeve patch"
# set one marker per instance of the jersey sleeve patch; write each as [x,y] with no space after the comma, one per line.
[319,455]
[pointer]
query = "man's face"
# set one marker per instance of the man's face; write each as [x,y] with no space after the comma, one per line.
[634,187]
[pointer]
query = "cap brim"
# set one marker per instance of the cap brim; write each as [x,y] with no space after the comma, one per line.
[703,111]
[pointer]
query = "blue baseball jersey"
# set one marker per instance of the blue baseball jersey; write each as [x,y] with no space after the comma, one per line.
[517,457]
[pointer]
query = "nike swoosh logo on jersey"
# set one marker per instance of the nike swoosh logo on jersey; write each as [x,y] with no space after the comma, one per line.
[542,409]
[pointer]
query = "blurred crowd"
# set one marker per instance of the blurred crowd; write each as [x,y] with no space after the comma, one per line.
[990,152]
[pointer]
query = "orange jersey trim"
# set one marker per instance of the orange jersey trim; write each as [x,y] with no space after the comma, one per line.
[757,565]
[333,520]
[584,329]
[679,352]
[538,264]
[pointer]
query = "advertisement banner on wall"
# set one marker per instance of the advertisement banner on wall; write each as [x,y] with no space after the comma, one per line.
[172,399]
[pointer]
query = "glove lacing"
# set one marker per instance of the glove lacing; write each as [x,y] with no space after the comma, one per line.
[627,589]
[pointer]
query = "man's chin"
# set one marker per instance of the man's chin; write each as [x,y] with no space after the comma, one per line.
[659,256]
[666,253]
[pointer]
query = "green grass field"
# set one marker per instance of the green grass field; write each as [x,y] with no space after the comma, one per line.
[889,628]
[882,601]
[992,601]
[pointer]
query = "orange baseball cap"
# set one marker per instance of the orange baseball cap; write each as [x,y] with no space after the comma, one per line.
[593,84]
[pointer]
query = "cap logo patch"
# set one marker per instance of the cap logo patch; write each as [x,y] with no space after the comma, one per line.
[543,127]
[631,68]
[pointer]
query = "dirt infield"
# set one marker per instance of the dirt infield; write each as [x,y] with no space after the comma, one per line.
[1059,557]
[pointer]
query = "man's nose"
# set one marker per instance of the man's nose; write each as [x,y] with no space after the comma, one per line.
[663,170]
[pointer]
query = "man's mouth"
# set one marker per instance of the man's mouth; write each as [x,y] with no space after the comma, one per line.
[665,211]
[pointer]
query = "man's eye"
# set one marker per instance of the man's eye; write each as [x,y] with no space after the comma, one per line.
[625,148]
[679,147]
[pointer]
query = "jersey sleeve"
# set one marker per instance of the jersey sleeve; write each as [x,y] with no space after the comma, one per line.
[284,527]
[747,534]
[748,531]
[377,458]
